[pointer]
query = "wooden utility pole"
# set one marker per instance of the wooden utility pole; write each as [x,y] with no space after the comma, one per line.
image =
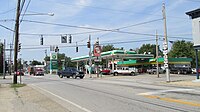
[90,58]
[16,41]
[4,59]
[165,46]
[157,65]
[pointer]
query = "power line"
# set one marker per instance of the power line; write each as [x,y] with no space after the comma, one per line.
[6,28]
[134,25]
[121,42]
[88,28]
[193,0]
[25,10]
[98,30]
[5,12]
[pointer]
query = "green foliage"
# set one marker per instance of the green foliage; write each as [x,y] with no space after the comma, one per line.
[149,48]
[108,48]
[35,62]
[183,49]
[17,85]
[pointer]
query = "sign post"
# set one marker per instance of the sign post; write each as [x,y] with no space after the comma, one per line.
[53,62]
[97,54]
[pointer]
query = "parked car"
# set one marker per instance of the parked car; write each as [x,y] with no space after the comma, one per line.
[39,72]
[71,72]
[154,70]
[105,72]
[181,70]
[194,70]
[125,71]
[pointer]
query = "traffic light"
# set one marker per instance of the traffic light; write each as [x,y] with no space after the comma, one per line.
[76,48]
[19,47]
[88,44]
[56,49]
[41,41]
[70,39]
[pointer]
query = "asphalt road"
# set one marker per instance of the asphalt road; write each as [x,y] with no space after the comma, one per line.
[116,94]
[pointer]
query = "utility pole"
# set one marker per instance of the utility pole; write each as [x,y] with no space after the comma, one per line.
[157,71]
[4,59]
[16,42]
[90,58]
[165,45]
[10,62]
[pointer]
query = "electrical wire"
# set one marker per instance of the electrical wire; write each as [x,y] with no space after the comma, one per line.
[81,45]
[6,28]
[98,30]
[7,11]
[25,11]
[132,26]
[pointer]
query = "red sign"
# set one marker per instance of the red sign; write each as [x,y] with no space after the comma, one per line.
[97,50]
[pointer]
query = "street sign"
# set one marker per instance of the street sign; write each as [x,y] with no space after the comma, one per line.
[63,39]
[53,56]
[97,50]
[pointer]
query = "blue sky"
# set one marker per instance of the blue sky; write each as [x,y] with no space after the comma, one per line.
[104,14]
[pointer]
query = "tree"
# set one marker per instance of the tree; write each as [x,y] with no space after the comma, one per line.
[108,48]
[183,49]
[149,48]
[35,62]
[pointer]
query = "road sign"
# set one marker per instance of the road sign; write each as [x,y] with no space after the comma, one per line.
[97,50]
[53,56]
[63,39]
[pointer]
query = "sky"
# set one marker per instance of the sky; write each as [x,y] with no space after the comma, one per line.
[76,17]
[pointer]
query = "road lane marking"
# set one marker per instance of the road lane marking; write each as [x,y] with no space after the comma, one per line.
[78,106]
[164,91]
[173,100]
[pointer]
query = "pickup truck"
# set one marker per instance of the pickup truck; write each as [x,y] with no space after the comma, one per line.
[71,72]
[125,71]
[154,70]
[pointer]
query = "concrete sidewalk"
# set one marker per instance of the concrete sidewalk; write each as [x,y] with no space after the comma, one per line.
[26,99]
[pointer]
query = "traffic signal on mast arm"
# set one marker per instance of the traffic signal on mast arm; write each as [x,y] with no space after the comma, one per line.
[19,47]
[70,39]
[41,41]
[88,44]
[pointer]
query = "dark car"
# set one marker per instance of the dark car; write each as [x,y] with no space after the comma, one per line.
[71,72]
[181,70]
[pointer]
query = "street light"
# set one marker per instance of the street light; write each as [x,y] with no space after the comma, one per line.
[37,14]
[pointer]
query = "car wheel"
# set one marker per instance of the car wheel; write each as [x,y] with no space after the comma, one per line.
[74,76]
[132,74]
[115,74]
[179,72]
[81,77]
[68,76]
[61,76]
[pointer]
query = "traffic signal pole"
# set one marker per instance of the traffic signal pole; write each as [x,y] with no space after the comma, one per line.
[16,42]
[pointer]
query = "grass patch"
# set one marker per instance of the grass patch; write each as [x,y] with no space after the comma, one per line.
[17,85]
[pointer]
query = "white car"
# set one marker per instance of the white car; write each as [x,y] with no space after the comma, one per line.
[125,70]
